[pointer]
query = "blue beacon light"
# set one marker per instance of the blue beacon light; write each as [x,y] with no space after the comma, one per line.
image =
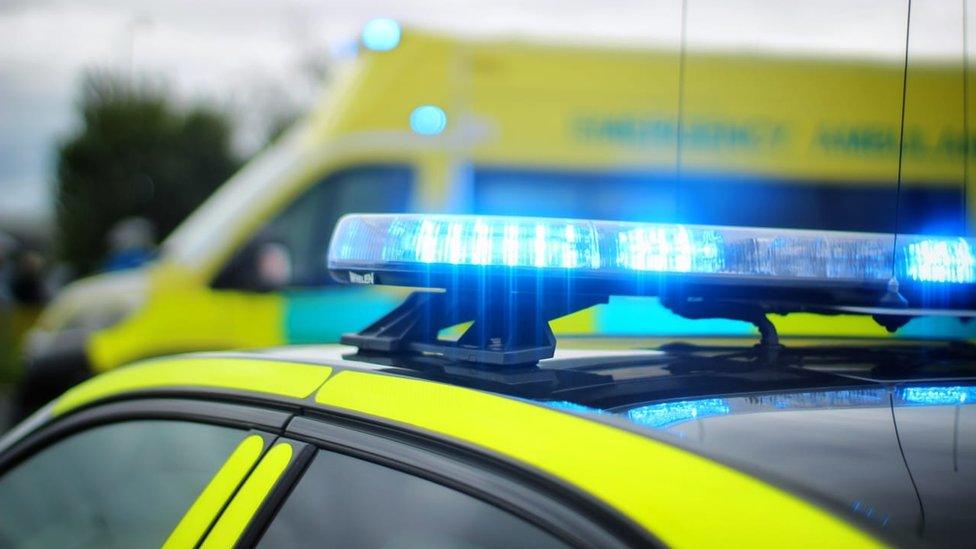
[428,120]
[381,34]
[606,246]
[951,260]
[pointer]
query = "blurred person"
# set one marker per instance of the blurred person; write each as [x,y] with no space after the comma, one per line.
[131,243]
[27,279]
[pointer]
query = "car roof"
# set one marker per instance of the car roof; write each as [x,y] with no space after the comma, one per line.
[613,380]
[614,466]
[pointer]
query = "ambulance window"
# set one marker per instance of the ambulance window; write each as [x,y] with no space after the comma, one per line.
[119,485]
[629,196]
[293,245]
[711,199]
[346,502]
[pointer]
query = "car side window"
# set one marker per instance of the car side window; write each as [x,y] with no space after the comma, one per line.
[118,485]
[291,250]
[342,501]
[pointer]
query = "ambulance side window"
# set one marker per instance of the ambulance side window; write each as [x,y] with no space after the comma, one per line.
[290,250]
[711,199]
[119,485]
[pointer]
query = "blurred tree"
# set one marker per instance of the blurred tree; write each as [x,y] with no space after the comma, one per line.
[136,155]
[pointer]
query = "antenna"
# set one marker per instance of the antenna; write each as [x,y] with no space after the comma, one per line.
[901,141]
[680,122]
[965,117]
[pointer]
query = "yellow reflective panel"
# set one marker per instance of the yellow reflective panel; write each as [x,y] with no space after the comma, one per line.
[247,501]
[184,315]
[682,498]
[209,503]
[580,322]
[809,324]
[262,376]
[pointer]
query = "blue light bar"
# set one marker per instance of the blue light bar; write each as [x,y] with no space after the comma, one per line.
[371,241]
[637,258]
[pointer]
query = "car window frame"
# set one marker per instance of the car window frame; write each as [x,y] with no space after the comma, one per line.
[549,504]
[553,506]
[265,422]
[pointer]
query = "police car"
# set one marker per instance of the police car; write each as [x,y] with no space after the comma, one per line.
[457,420]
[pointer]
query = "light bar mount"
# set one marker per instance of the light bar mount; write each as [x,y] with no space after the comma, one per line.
[508,329]
[697,309]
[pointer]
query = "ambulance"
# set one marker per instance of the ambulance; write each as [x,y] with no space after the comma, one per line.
[420,122]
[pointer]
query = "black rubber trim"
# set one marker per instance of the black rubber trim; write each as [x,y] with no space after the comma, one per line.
[217,413]
[215,395]
[546,501]
[265,514]
[496,489]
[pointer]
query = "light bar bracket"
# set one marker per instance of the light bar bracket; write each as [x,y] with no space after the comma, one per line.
[755,314]
[509,328]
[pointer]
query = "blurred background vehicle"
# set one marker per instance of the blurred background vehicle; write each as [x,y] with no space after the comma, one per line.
[750,113]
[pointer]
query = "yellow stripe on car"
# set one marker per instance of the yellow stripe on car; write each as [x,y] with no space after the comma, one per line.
[682,498]
[287,379]
[250,497]
[221,487]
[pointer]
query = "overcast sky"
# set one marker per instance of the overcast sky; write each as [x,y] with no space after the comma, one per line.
[233,52]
